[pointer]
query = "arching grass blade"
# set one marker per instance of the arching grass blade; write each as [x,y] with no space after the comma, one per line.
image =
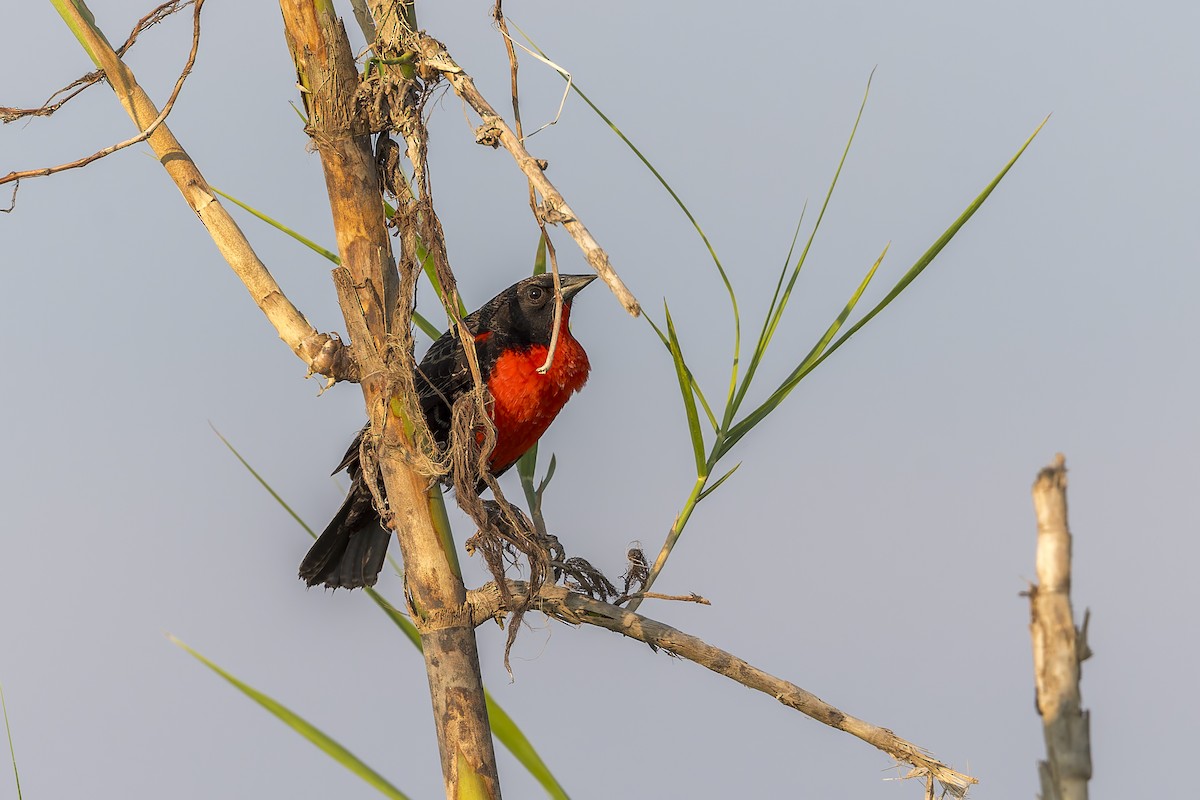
[303,727]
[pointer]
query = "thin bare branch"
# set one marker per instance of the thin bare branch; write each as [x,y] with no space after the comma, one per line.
[12,204]
[141,137]
[486,603]
[495,131]
[8,114]
[678,598]
[539,219]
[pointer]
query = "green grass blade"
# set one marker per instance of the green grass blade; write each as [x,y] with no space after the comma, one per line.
[719,481]
[779,395]
[299,113]
[508,733]
[539,258]
[441,523]
[760,347]
[11,750]
[514,739]
[397,616]
[819,348]
[689,400]
[526,466]
[428,328]
[303,727]
[691,378]
[549,474]
[775,314]
[274,223]
[818,357]
[930,254]
[262,482]
[430,270]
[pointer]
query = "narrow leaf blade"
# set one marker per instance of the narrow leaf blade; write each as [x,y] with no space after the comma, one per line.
[779,395]
[689,400]
[662,337]
[913,272]
[274,223]
[719,481]
[303,727]
[930,254]
[425,325]
[508,733]
[514,739]
[539,258]
[775,313]
[11,749]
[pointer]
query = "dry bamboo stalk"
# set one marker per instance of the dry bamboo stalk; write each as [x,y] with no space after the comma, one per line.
[1058,646]
[574,608]
[368,290]
[324,354]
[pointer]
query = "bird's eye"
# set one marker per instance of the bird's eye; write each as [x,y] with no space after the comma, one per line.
[535,293]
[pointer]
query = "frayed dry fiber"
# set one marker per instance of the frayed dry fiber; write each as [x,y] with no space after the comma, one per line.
[638,571]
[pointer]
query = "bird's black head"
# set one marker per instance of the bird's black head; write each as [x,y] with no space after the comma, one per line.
[524,312]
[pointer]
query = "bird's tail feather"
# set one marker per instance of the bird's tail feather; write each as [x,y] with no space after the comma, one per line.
[351,550]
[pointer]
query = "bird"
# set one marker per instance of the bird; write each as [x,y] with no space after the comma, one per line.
[512,334]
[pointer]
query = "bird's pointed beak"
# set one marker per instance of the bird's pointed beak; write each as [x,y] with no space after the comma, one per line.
[573,285]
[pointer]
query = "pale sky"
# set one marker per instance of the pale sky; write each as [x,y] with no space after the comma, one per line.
[874,544]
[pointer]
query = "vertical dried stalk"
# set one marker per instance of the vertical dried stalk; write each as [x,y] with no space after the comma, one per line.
[1058,646]
[377,317]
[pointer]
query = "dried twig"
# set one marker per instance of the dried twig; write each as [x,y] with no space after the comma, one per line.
[556,601]
[141,137]
[554,208]
[498,16]
[12,204]
[8,114]
[690,597]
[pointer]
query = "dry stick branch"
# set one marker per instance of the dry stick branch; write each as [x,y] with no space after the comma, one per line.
[1058,647]
[495,130]
[486,603]
[12,203]
[498,16]
[141,137]
[377,303]
[9,114]
[323,353]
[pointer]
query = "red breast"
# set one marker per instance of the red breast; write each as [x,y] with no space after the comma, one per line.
[526,402]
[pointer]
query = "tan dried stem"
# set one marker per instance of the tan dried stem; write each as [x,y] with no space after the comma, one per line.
[323,353]
[1058,646]
[556,601]
[377,301]
[514,89]
[495,131]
